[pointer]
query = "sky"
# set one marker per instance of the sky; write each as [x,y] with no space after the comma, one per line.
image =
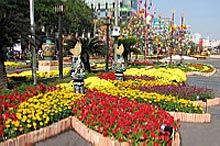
[202,15]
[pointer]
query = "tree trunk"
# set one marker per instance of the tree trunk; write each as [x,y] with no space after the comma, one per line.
[85,60]
[125,55]
[3,77]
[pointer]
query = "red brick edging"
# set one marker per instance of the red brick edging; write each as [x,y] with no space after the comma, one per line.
[95,138]
[201,73]
[30,138]
[210,102]
[192,117]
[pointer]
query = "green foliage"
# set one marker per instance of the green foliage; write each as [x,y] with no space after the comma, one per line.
[90,46]
[128,43]
[78,16]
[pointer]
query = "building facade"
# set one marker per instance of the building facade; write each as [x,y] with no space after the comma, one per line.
[105,8]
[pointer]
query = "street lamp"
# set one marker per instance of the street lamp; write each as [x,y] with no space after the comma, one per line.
[34,64]
[59,9]
[107,23]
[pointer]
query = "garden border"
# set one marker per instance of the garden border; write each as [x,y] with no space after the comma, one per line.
[202,73]
[210,102]
[191,117]
[71,123]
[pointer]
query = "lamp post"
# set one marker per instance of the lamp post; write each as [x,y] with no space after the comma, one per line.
[34,68]
[116,37]
[107,23]
[59,9]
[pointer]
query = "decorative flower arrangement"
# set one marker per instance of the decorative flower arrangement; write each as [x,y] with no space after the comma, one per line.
[124,119]
[95,82]
[138,63]
[193,67]
[106,75]
[11,102]
[166,74]
[166,102]
[148,84]
[15,65]
[199,67]
[180,91]
[40,111]
[40,74]
[111,76]
[146,78]
[141,83]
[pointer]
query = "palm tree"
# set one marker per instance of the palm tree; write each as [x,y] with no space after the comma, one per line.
[128,44]
[13,26]
[90,46]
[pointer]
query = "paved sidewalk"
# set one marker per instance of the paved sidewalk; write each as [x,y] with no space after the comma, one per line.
[204,134]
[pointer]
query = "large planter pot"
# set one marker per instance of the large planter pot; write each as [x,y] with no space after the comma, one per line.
[48,51]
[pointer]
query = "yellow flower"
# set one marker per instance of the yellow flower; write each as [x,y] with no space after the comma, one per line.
[24,118]
[8,121]
[7,125]
[28,121]
[19,116]
[20,129]
[41,123]
[34,124]
[29,125]
[16,123]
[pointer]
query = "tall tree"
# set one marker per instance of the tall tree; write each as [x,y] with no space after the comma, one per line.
[128,43]
[13,25]
[78,16]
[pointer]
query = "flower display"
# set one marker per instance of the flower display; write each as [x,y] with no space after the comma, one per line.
[166,74]
[141,83]
[124,119]
[166,102]
[111,76]
[139,63]
[106,75]
[181,91]
[40,74]
[199,67]
[11,102]
[40,111]
[95,82]
[15,65]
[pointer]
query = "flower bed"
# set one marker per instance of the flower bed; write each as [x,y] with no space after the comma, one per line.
[69,123]
[124,119]
[209,102]
[166,102]
[44,109]
[138,63]
[181,91]
[197,68]
[163,74]
[40,74]
[35,110]
[150,84]
[15,65]
[128,116]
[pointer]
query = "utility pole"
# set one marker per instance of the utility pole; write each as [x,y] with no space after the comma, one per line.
[34,69]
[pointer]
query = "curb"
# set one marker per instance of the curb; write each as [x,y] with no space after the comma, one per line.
[71,123]
[192,117]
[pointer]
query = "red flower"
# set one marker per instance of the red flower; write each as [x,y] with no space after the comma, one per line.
[121,118]
[105,134]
